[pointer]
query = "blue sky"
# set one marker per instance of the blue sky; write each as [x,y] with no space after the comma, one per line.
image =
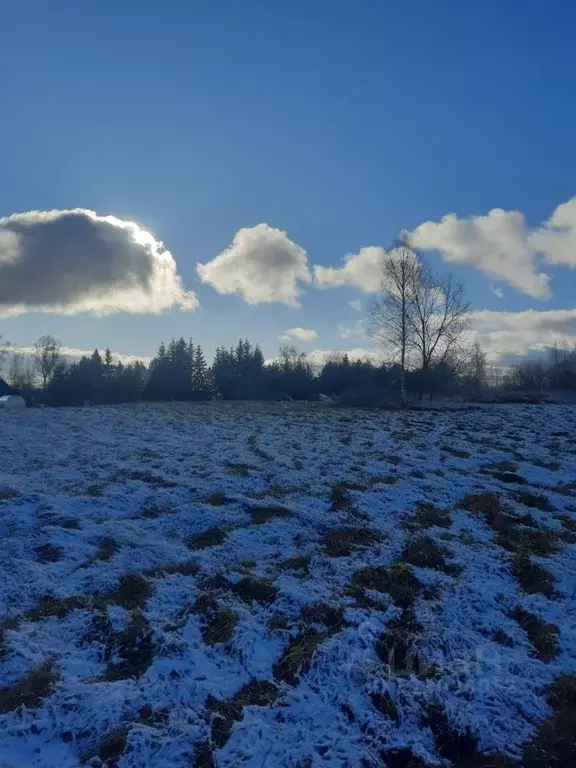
[340,123]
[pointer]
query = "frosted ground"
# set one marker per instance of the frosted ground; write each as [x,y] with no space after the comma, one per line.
[280,585]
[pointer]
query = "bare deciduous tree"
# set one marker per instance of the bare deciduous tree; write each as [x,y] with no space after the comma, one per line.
[4,346]
[46,357]
[440,316]
[476,368]
[391,321]
[20,371]
[417,314]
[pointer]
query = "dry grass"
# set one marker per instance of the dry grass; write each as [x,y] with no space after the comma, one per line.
[70,523]
[386,480]
[532,577]
[460,748]
[297,658]
[459,453]
[495,511]
[541,543]
[500,637]
[107,548]
[58,607]
[99,632]
[554,743]
[402,758]
[567,490]
[188,568]
[301,563]
[398,581]
[511,478]
[153,717]
[153,510]
[341,542]
[500,517]
[133,591]
[30,690]
[553,466]
[395,646]
[209,538]
[391,458]
[340,499]
[251,590]
[47,553]
[133,647]
[428,516]
[238,468]
[218,499]
[384,704]
[110,748]
[219,627]
[5,626]
[500,466]
[323,613]
[542,636]
[534,500]
[7,494]
[261,515]
[223,714]
[203,756]
[278,622]
[424,552]
[218,624]
[148,477]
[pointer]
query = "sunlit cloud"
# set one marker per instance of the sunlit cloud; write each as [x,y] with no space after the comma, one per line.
[74,261]
[362,270]
[262,264]
[515,334]
[299,334]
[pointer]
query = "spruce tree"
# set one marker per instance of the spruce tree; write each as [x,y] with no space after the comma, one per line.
[108,363]
[201,385]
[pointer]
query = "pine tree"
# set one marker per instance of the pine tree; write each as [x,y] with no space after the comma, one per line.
[95,392]
[108,365]
[201,384]
[96,362]
[158,386]
[173,373]
[223,373]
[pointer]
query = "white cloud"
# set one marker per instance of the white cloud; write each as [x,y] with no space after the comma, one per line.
[73,354]
[362,269]
[262,264]
[347,332]
[302,334]
[556,239]
[497,291]
[501,245]
[511,334]
[497,244]
[74,261]
[355,305]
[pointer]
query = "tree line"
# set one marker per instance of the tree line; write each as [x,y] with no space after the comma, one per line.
[419,321]
[179,371]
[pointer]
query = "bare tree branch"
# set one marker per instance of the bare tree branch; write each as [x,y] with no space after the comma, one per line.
[416,313]
[390,314]
[46,357]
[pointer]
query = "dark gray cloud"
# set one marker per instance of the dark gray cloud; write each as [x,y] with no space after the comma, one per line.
[77,261]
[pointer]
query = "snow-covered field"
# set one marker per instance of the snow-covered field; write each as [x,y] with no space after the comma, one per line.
[282,585]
